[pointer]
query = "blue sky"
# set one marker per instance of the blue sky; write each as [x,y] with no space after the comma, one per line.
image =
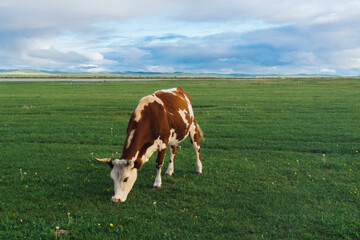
[213,36]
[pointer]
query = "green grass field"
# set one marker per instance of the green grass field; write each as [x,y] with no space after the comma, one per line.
[281,161]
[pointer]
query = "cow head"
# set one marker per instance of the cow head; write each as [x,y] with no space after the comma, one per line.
[124,175]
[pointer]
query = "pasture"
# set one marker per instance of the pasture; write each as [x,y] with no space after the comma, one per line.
[281,161]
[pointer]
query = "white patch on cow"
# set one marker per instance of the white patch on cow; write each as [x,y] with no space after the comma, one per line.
[171,90]
[198,162]
[145,101]
[135,157]
[196,148]
[183,116]
[157,182]
[192,129]
[173,138]
[131,135]
[191,112]
[170,169]
[158,145]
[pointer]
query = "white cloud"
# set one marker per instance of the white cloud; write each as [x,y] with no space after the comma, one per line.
[276,11]
[161,35]
[95,56]
[94,69]
[328,18]
[167,69]
[226,71]
[328,71]
[348,58]
[76,14]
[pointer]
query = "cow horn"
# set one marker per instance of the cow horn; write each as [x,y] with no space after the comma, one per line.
[130,163]
[104,159]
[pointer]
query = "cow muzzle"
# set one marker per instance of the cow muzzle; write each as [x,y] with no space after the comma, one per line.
[117,200]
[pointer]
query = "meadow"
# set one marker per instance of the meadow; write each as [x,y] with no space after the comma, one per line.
[281,161]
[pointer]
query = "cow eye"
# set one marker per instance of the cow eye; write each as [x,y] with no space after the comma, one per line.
[126,179]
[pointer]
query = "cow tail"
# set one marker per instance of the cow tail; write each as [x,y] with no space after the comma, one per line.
[200,132]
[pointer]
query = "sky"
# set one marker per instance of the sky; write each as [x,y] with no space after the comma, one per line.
[202,36]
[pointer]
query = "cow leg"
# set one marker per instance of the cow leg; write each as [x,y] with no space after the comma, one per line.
[173,152]
[195,140]
[159,163]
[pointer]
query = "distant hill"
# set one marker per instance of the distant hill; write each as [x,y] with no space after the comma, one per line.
[33,73]
[22,73]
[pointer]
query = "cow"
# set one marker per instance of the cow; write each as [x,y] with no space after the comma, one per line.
[161,120]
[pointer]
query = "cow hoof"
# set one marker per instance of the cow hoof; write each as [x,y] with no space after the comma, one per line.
[168,174]
[156,187]
[198,173]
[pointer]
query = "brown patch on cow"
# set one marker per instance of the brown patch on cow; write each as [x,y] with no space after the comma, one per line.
[110,164]
[144,102]
[174,152]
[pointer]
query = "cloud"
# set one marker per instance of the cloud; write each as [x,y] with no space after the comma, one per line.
[327,71]
[301,58]
[160,69]
[275,11]
[56,56]
[258,36]
[75,14]
[42,13]
[347,58]
[91,68]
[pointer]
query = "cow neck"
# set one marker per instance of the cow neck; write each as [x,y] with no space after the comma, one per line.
[136,148]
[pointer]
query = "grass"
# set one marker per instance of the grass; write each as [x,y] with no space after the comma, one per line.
[281,161]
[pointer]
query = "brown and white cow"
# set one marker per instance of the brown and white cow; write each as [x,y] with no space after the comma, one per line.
[162,119]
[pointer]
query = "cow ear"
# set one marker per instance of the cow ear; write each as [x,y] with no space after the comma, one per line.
[138,164]
[110,164]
